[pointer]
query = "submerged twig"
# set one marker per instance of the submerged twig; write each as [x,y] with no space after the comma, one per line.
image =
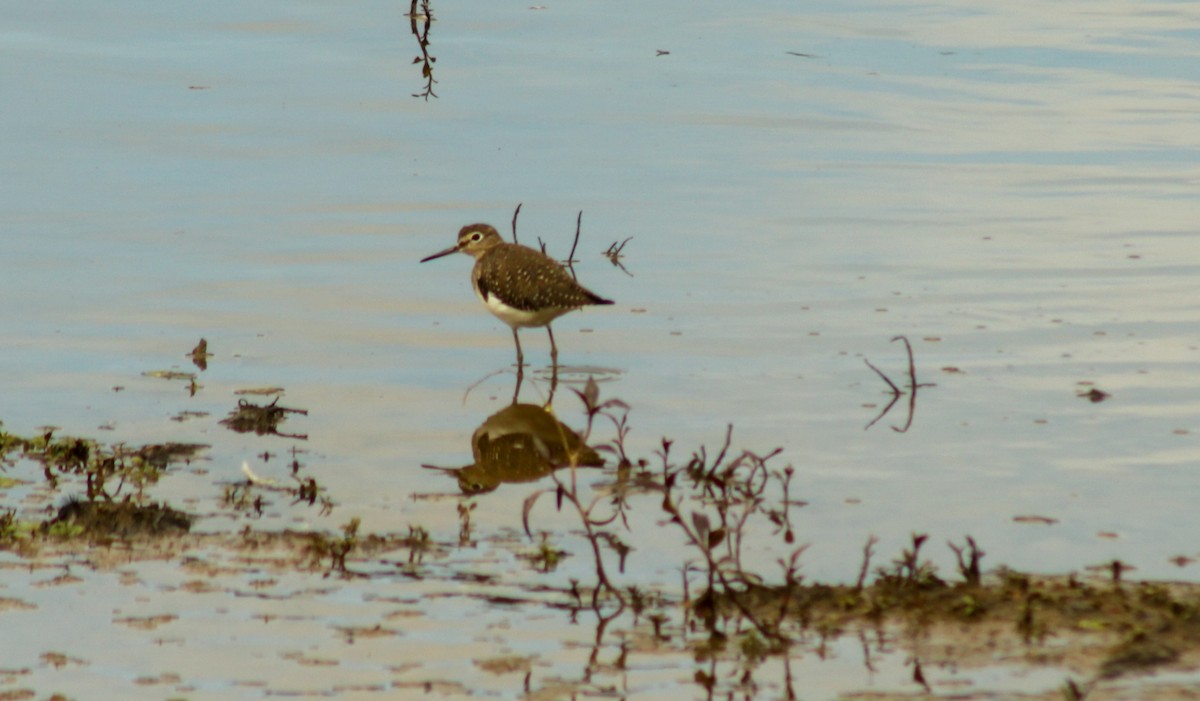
[422,35]
[912,388]
[614,255]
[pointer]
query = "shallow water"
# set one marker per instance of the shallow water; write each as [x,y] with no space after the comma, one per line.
[1010,187]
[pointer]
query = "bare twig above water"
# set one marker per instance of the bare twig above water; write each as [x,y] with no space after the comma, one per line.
[514,221]
[575,243]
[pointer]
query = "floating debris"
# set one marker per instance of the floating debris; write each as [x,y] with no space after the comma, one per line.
[187,415]
[1094,395]
[260,390]
[161,455]
[170,374]
[253,477]
[200,355]
[1035,519]
[262,420]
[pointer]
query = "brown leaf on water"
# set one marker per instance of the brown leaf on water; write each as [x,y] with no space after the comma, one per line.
[591,392]
[200,355]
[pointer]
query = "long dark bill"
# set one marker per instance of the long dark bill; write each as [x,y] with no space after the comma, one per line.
[439,254]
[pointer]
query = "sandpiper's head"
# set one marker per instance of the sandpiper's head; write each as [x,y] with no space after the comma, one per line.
[474,240]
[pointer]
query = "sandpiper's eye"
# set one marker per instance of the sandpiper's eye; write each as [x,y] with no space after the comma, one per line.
[476,236]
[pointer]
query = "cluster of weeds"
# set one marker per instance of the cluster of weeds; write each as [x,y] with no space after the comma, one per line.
[547,556]
[332,552]
[107,471]
[249,496]
[10,527]
[600,526]
[321,547]
[8,443]
[727,503]
[719,503]
[464,521]
[908,572]
[419,543]
[115,481]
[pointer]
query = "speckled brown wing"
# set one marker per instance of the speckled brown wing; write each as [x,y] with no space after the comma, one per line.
[529,281]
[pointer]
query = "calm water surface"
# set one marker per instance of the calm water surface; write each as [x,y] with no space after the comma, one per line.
[1011,187]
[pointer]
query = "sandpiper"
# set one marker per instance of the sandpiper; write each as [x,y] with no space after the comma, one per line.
[519,285]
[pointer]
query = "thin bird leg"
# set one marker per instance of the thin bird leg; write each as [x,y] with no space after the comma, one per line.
[520,366]
[520,355]
[553,362]
[553,348]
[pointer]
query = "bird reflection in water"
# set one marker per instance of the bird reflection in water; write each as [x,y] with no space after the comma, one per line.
[520,443]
